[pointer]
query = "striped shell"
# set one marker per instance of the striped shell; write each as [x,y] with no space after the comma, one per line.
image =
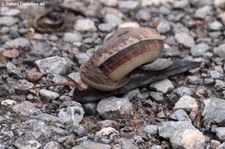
[122,52]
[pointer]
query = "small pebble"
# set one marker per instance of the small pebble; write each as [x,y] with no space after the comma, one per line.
[220,51]
[186,103]
[185,39]
[199,49]
[54,65]
[163,27]
[106,135]
[163,86]
[112,19]
[180,115]
[72,37]
[202,12]
[48,95]
[216,25]
[114,108]
[85,25]
[8,21]
[126,6]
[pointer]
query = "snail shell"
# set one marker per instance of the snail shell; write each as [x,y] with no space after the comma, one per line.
[126,49]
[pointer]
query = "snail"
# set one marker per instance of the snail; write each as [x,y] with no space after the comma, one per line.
[111,66]
[126,49]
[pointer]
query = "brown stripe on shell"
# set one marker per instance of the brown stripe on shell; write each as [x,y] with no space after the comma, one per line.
[121,39]
[129,53]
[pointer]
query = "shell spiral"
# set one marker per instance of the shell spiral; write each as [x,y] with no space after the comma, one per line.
[122,52]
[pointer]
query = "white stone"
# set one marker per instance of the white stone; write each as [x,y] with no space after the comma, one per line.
[186,103]
[163,86]
[85,25]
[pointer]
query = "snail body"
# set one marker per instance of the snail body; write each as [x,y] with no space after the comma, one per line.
[126,49]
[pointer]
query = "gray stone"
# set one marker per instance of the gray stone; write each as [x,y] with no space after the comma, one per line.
[106,135]
[41,49]
[215,34]
[28,144]
[215,25]
[72,37]
[37,128]
[46,117]
[79,131]
[180,115]
[186,103]
[180,28]
[72,114]
[143,14]
[107,123]
[85,25]
[12,69]
[2,119]
[22,84]
[126,6]
[114,108]
[132,94]
[222,146]
[137,140]
[151,129]
[220,133]
[209,81]
[52,145]
[91,145]
[163,86]
[201,3]
[9,12]
[164,10]
[182,134]
[163,27]
[53,38]
[219,85]
[4,30]
[182,4]
[110,3]
[220,51]
[17,43]
[54,65]
[82,57]
[106,27]
[215,74]
[202,12]
[26,108]
[112,19]
[181,91]
[127,144]
[214,112]
[156,96]
[8,21]
[2,146]
[185,39]
[194,80]
[48,95]
[90,108]
[199,49]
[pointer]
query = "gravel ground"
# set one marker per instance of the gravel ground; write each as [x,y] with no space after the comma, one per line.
[185,111]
